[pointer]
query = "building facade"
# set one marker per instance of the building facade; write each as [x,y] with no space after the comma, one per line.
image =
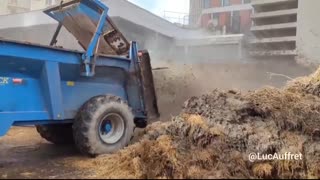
[221,16]
[275,27]
[20,6]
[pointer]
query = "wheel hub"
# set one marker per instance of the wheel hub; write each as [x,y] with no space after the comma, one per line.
[108,127]
[112,128]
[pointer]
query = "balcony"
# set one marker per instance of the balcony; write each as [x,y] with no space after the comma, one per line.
[270,2]
[238,7]
[272,14]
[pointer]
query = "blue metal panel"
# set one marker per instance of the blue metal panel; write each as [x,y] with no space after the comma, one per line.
[97,5]
[114,62]
[20,68]
[7,119]
[33,52]
[24,116]
[11,52]
[5,126]
[51,82]
[26,97]
[76,91]
[75,96]
[91,8]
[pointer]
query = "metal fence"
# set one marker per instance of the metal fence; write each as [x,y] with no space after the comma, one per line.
[177,17]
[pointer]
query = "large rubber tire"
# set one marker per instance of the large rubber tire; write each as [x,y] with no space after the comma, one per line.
[87,126]
[59,134]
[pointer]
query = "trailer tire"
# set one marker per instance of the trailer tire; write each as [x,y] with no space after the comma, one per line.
[59,134]
[104,124]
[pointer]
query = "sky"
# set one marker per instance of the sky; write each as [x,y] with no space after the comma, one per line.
[158,7]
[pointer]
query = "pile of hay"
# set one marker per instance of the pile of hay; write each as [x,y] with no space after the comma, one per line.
[215,133]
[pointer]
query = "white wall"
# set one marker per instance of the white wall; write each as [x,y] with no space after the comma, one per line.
[308,31]
[3,7]
[38,4]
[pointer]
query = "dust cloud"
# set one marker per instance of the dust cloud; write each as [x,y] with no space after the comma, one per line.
[186,78]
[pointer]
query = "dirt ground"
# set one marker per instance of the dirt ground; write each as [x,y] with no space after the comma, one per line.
[23,154]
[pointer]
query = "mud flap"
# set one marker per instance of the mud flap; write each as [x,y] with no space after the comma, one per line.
[4,127]
[150,97]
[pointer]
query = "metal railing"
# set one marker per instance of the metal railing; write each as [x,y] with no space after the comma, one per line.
[177,17]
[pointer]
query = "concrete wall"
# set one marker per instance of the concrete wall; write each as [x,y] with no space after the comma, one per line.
[147,38]
[3,7]
[211,49]
[40,34]
[211,54]
[24,6]
[36,4]
[308,32]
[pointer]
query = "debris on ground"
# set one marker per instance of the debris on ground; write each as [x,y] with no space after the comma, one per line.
[215,134]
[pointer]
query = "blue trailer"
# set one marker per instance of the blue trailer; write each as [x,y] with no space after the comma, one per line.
[93,98]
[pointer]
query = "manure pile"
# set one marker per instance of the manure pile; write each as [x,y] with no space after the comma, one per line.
[215,133]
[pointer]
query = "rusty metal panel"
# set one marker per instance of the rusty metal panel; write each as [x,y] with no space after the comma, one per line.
[149,91]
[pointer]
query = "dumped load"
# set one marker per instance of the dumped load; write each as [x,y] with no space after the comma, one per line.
[215,134]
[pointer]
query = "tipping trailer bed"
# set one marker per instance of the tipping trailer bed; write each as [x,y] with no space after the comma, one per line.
[44,85]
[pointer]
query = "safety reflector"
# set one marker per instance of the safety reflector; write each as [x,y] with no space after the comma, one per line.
[17,81]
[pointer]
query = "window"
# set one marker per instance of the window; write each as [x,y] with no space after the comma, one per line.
[215,19]
[49,2]
[246,1]
[225,2]
[15,2]
[206,4]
